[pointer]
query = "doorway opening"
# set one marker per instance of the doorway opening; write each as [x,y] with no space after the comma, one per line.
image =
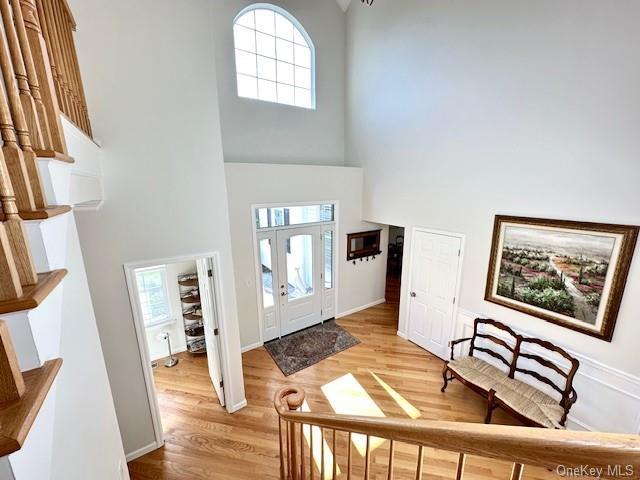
[394,267]
[179,329]
[295,254]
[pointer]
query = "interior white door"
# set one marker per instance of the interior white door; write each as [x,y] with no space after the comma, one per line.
[299,288]
[433,286]
[210,322]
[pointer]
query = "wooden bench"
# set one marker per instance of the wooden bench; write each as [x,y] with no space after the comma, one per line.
[552,367]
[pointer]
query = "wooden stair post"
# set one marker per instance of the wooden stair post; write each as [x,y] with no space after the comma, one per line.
[13,155]
[18,252]
[27,100]
[32,78]
[42,66]
[11,381]
[15,106]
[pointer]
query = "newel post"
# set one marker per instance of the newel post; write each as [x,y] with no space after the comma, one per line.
[289,399]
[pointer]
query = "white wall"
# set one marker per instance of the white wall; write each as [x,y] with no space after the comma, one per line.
[249,185]
[158,348]
[500,107]
[149,73]
[87,441]
[255,131]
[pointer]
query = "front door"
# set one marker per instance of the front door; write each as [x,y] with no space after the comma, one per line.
[433,286]
[299,289]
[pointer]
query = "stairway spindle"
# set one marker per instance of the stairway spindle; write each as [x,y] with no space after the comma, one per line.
[517,472]
[420,462]
[26,99]
[16,119]
[392,447]
[460,470]
[35,29]
[367,458]
[302,462]
[44,137]
[335,458]
[349,458]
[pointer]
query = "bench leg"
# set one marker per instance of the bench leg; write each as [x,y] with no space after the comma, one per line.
[445,369]
[490,406]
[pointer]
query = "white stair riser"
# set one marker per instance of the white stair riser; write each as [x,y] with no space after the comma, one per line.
[36,333]
[56,179]
[48,241]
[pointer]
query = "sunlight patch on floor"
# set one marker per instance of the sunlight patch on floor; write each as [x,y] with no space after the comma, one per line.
[404,404]
[348,397]
[317,449]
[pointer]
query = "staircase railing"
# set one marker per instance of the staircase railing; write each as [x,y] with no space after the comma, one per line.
[58,25]
[618,455]
[31,98]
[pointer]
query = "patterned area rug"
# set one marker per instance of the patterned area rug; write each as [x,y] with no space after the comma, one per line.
[302,349]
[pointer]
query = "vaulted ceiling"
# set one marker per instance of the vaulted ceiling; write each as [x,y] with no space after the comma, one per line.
[344,4]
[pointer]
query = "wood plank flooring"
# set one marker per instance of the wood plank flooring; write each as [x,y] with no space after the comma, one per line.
[204,442]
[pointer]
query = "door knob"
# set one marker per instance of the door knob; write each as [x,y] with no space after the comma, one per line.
[413,294]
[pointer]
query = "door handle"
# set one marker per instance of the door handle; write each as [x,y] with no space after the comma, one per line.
[413,294]
[283,294]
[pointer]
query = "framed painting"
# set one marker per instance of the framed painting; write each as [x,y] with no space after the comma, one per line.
[569,273]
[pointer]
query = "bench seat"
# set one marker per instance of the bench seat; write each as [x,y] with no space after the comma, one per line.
[519,396]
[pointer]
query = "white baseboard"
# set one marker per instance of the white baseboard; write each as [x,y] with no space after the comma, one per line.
[360,308]
[142,451]
[180,349]
[402,335]
[238,406]
[253,346]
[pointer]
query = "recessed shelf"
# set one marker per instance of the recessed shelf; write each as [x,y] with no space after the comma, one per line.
[192,317]
[191,282]
[17,417]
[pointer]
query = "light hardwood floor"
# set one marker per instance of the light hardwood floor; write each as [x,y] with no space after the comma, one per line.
[204,442]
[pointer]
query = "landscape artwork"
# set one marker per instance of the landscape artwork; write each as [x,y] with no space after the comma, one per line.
[570,273]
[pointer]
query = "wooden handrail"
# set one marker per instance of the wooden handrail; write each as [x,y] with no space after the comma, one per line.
[520,445]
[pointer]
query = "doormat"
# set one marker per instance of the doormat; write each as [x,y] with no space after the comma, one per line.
[302,349]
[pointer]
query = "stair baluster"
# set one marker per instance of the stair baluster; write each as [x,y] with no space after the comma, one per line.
[18,119]
[43,66]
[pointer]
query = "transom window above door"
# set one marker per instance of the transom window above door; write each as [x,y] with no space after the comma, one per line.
[275,57]
[269,217]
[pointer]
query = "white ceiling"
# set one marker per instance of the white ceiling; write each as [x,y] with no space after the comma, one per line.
[344,4]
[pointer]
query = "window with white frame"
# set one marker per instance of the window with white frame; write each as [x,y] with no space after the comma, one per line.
[153,295]
[275,58]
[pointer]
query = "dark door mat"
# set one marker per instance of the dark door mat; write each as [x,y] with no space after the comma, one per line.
[302,349]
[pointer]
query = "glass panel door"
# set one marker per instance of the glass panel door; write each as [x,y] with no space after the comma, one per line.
[299,270]
[300,266]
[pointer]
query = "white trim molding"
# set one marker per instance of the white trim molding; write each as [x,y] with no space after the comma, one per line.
[143,451]
[360,308]
[252,346]
[601,389]
[238,406]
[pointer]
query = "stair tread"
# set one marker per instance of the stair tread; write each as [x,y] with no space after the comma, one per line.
[34,295]
[54,156]
[45,213]
[17,417]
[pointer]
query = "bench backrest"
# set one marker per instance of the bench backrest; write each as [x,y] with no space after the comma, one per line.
[561,376]
[495,346]
[522,349]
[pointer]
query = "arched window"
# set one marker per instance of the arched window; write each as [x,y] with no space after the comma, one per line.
[275,58]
